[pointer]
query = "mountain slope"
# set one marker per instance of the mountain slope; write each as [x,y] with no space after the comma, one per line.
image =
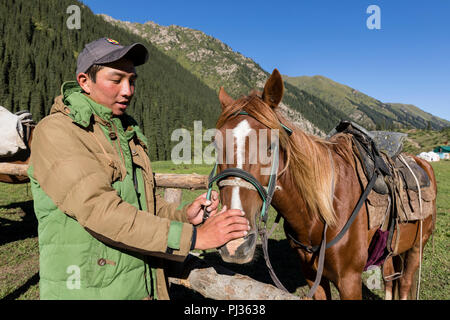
[318,102]
[218,65]
[364,109]
[208,58]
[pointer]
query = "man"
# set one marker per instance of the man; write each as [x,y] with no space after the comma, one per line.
[103,233]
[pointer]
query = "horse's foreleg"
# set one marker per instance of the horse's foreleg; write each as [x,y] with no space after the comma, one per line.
[323,291]
[325,284]
[350,286]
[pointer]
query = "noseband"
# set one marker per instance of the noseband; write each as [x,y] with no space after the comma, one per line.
[250,182]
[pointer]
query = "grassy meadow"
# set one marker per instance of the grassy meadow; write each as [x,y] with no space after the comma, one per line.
[19,251]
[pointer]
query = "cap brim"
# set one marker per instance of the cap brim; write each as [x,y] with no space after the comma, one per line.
[136,52]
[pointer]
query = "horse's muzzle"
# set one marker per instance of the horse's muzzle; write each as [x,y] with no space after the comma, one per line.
[239,250]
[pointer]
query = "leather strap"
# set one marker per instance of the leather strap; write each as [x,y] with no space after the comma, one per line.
[264,243]
[320,264]
[352,218]
[235,172]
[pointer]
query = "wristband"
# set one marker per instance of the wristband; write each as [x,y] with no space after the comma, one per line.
[194,238]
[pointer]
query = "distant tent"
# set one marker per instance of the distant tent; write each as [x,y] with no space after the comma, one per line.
[429,156]
[442,149]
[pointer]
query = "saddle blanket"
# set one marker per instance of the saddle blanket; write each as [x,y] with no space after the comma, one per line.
[407,199]
[11,133]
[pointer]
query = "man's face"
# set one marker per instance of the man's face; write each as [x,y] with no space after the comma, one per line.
[114,85]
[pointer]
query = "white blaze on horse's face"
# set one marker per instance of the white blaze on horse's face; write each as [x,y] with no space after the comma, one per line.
[240,133]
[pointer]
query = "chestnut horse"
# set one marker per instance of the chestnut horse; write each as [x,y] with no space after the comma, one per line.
[22,157]
[316,184]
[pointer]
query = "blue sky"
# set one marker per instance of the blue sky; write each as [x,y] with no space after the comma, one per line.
[407,60]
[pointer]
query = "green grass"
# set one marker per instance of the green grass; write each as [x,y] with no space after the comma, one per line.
[424,140]
[19,252]
[169,167]
[436,263]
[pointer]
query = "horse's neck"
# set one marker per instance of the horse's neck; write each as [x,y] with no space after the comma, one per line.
[290,202]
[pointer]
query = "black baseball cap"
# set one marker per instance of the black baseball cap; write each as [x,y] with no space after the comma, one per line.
[107,50]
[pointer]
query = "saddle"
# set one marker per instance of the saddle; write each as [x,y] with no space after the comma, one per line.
[401,192]
[395,192]
[383,148]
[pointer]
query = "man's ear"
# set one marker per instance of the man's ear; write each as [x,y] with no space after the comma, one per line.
[225,99]
[274,89]
[84,81]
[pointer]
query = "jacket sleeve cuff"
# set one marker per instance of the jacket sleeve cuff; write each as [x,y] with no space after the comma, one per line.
[182,212]
[180,238]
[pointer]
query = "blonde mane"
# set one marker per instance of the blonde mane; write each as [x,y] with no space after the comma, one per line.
[307,157]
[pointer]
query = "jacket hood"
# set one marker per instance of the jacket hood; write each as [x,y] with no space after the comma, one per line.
[78,106]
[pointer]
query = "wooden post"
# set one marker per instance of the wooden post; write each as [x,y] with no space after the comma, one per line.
[163,180]
[14,169]
[181,181]
[173,195]
[219,283]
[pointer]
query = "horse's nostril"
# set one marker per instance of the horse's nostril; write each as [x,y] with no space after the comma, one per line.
[248,244]
[241,251]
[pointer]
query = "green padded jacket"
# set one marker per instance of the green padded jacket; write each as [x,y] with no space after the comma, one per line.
[103,232]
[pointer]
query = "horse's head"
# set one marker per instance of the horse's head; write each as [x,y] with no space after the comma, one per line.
[245,140]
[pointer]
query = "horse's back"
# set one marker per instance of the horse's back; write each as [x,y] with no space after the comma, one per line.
[425,165]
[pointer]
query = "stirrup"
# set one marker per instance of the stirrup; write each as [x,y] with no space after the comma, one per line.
[395,275]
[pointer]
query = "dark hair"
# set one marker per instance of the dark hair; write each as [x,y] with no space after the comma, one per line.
[92,71]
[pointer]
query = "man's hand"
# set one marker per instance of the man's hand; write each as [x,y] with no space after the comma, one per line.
[195,209]
[220,228]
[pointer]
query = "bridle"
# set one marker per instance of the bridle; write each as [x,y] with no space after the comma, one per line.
[251,183]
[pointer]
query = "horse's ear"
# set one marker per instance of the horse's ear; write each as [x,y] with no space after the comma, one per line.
[225,99]
[274,89]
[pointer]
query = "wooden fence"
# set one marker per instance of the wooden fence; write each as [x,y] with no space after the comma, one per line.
[173,183]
